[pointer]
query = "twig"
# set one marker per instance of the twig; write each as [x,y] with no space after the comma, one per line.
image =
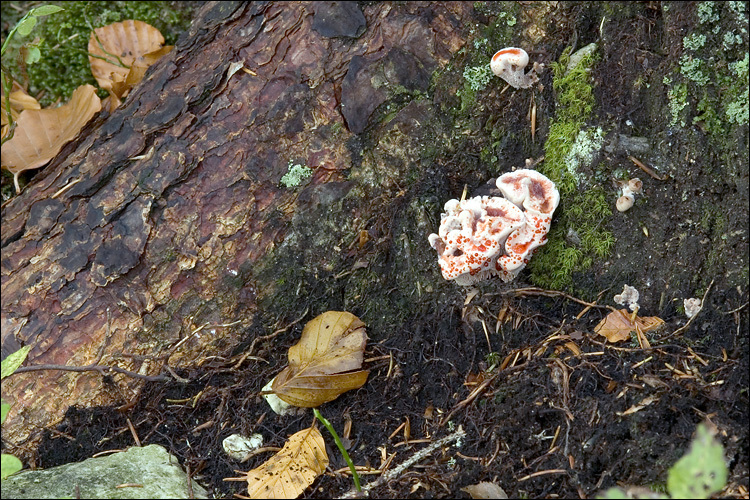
[280,330]
[93,368]
[738,309]
[478,390]
[189,482]
[650,171]
[395,472]
[66,187]
[133,432]
[552,293]
[543,473]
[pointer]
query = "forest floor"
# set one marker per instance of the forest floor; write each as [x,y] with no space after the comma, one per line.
[562,414]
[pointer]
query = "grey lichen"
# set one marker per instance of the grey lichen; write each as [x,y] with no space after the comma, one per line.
[296,174]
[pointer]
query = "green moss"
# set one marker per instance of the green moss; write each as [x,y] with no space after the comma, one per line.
[64,40]
[738,108]
[584,205]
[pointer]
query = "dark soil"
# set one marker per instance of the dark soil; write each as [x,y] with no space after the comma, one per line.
[438,360]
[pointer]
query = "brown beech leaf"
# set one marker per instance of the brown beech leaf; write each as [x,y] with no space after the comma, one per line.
[617,325]
[290,471]
[41,133]
[19,101]
[118,49]
[485,490]
[326,362]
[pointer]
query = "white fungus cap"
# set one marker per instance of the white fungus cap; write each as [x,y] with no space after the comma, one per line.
[625,202]
[692,306]
[629,190]
[628,296]
[509,64]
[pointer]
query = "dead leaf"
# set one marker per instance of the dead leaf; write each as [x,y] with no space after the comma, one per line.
[41,133]
[290,471]
[321,365]
[120,53]
[19,101]
[485,490]
[617,325]
[639,406]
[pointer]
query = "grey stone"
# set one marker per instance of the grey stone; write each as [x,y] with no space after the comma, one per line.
[157,473]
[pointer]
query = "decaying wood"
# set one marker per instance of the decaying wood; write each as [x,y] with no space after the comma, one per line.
[160,210]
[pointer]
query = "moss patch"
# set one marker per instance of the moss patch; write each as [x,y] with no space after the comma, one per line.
[578,235]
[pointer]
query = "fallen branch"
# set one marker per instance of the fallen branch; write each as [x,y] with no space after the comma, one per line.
[93,368]
[395,472]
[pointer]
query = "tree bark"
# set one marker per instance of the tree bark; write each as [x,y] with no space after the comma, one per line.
[159,212]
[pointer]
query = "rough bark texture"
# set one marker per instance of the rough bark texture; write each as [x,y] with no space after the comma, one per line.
[174,197]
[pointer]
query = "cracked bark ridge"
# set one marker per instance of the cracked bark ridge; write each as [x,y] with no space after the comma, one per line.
[161,209]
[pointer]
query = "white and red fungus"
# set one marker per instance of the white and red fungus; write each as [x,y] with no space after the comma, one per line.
[489,235]
[509,64]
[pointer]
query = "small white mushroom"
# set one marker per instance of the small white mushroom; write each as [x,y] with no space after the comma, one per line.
[692,306]
[279,406]
[628,296]
[625,202]
[238,446]
[629,190]
[509,64]
[635,186]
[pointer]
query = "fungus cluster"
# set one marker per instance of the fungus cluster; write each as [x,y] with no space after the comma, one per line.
[489,235]
[509,64]
[629,190]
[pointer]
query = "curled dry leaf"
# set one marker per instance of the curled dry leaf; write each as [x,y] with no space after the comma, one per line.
[326,362]
[617,325]
[41,133]
[120,53]
[19,101]
[288,473]
[485,490]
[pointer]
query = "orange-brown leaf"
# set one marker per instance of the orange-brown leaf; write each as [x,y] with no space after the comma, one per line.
[19,101]
[288,473]
[326,362]
[115,48]
[617,325]
[41,133]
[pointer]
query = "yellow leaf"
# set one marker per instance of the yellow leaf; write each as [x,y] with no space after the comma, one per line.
[41,133]
[114,49]
[322,364]
[617,325]
[288,473]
